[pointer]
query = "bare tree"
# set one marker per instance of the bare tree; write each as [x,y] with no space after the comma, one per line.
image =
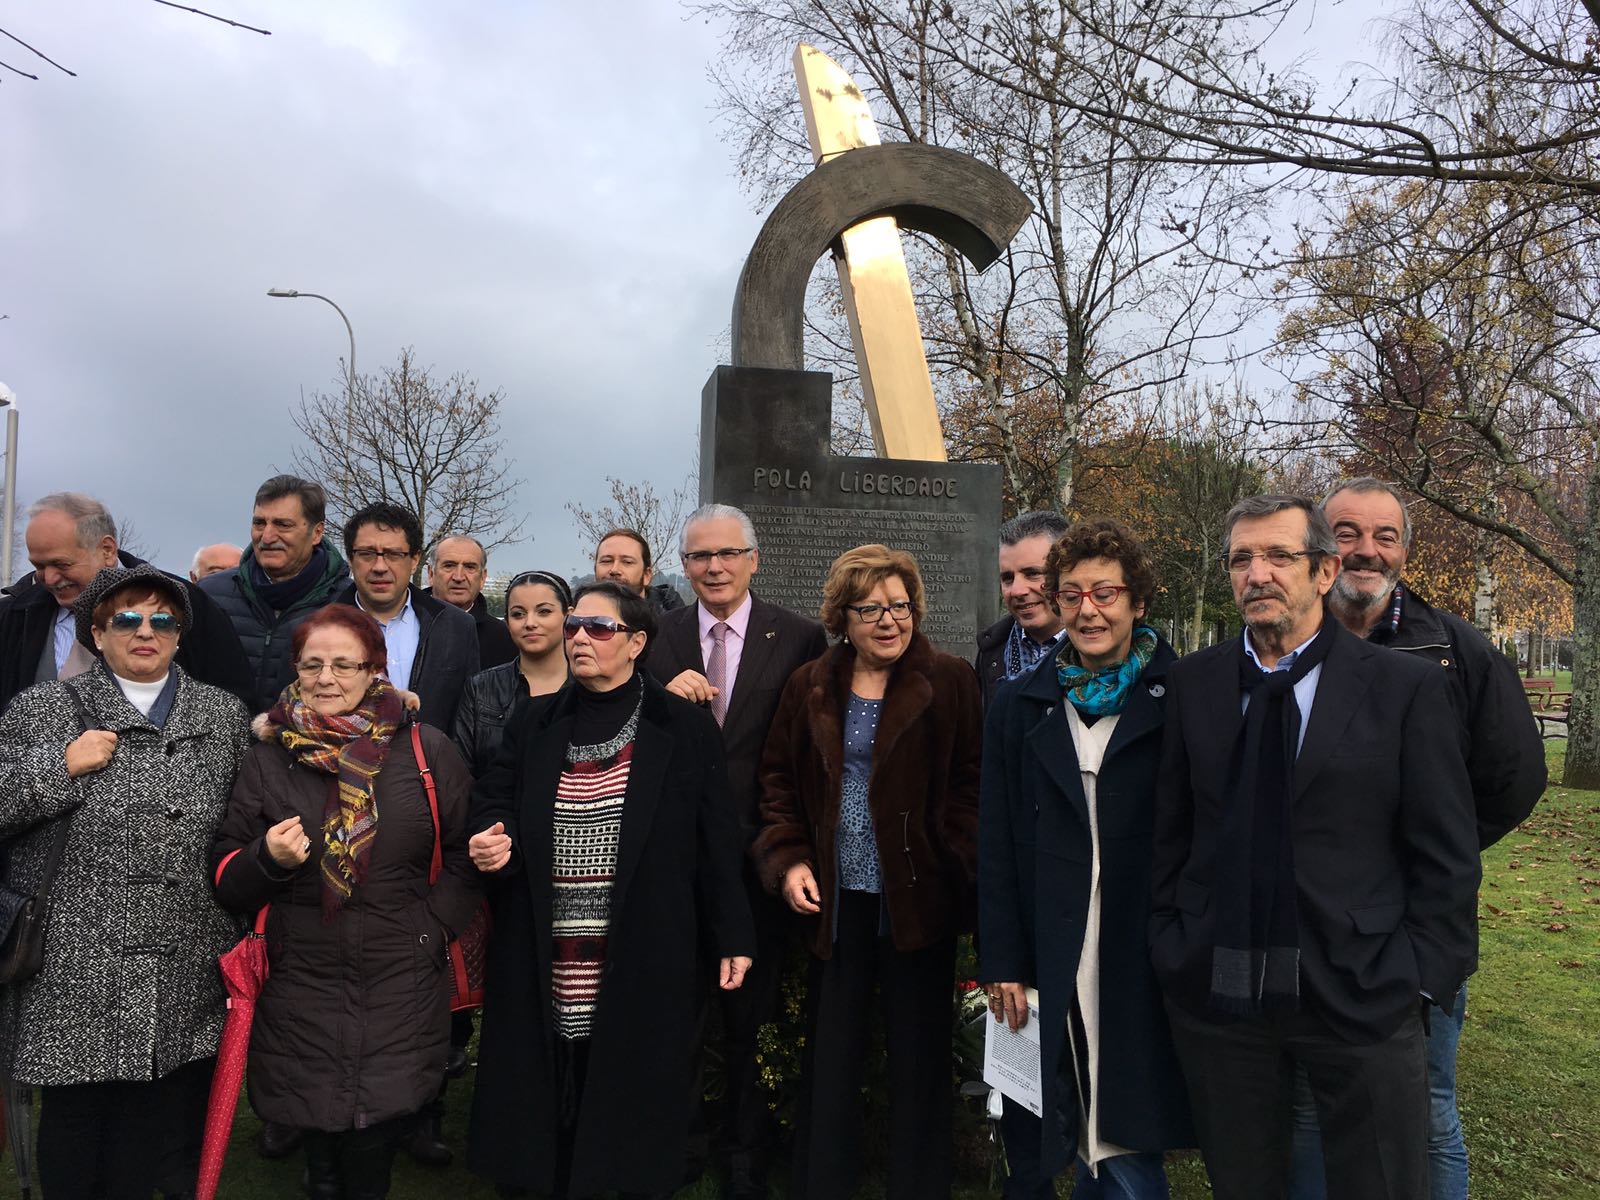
[405,437]
[640,507]
[1451,340]
[1118,284]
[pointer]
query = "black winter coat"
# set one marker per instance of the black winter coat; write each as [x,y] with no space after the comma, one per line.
[265,634]
[990,662]
[1034,859]
[353,1026]
[447,656]
[1505,754]
[678,900]
[209,651]
[494,639]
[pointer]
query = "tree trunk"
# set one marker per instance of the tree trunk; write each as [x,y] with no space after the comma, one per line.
[1483,592]
[1583,729]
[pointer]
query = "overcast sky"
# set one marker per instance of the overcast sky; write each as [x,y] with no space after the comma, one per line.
[537,195]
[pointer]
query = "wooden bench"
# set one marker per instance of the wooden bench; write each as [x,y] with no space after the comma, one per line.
[1550,707]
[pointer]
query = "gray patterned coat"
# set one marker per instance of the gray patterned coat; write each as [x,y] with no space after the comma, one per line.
[130,988]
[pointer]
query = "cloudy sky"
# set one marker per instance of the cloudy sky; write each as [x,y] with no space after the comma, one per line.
[536,194]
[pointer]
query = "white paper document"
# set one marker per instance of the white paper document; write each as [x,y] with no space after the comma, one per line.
[1011,1060]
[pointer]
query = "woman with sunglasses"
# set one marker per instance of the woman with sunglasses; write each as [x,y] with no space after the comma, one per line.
[870,814]
[120,776]
[1069,778]
[332,824]
[536,605]
[610,823]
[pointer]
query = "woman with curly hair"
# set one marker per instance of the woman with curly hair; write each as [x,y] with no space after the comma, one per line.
[1069,773]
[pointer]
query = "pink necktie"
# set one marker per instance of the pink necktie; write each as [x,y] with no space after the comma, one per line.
[717,670]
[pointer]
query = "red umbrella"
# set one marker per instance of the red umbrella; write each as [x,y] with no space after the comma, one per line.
[244,971]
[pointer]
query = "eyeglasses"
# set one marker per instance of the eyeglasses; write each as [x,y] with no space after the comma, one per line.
[727,556]
[1105,594]
[871,614]
[1239,561]
[367,555]
[342,668]
[162,623]
[599,629]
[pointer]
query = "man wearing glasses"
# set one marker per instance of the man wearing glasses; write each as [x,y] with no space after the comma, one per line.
[1315,875]
[733,652]
[1031,628]
[1505,761]
[433,646]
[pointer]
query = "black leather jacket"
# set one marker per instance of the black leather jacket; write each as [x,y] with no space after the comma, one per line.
[488,703]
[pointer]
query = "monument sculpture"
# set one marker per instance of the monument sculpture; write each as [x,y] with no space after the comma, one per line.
[765,420]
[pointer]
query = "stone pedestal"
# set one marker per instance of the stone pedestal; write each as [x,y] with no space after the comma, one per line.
[764,448]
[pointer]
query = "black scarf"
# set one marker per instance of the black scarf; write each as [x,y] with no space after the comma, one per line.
[1255,954]
[284,593]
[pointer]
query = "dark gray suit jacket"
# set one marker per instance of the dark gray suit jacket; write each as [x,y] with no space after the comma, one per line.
[777,643]
[1384,831]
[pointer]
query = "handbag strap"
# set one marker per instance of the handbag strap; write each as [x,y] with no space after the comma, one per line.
[58,845]
[433,800]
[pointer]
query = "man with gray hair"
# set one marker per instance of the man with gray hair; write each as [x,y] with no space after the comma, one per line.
[208,560]
[71,536]
[458,567]
[733,652]
[1315,874]
[1505,762]
[1018,641]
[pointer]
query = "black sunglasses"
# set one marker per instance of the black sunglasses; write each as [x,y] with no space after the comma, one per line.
[129,621]
[599,629]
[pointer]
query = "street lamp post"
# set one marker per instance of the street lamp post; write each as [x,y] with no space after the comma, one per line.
[8,401]
[350,375]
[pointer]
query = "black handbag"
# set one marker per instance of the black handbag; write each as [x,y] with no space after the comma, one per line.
[22,917]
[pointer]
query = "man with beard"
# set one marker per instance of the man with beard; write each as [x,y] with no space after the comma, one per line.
[1315,874]
[623,556]
[1505,761]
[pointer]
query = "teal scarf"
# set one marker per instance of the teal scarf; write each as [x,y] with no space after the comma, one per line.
[1104,692]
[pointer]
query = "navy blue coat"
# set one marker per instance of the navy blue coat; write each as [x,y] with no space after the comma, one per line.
[1034,856]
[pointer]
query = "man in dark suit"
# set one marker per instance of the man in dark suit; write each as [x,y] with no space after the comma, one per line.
[457,570]
[733,652]
[70,536]
[433,646]
[1315,874]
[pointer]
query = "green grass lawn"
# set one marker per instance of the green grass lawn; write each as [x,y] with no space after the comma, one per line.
[1528,1073]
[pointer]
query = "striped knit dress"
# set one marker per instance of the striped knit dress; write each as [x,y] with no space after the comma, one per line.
[588,829]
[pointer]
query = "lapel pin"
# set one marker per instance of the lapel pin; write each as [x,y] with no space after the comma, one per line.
[1158,690]
[771,633]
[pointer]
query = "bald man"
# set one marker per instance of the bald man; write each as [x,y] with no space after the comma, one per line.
[208,560]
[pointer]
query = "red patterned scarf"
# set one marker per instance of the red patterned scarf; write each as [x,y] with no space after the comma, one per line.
[351,747]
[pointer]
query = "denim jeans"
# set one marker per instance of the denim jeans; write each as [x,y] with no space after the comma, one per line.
[1125,1177]
[1447,1151]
